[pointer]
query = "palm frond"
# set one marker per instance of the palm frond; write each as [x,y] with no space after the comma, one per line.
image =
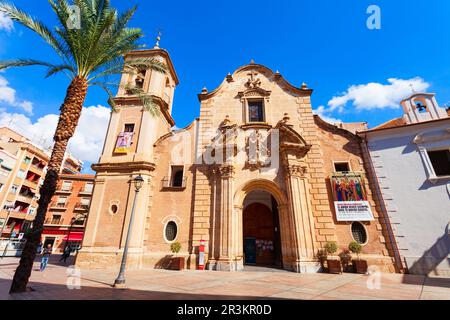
[63,67]
[35,25]
[23,63]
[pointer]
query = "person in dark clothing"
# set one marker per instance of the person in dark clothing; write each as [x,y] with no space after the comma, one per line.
[65,254]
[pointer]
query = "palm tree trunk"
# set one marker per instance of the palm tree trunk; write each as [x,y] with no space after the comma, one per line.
[68,121]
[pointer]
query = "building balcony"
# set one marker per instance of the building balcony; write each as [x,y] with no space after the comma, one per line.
[18,215]
[36,169]
[85,192]
[58,206]
[30,184]
[65,190]
[81,207]
[23,198]
[52,222]
[167,183]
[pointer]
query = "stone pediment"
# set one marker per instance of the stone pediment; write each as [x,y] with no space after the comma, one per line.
[291,141]
[254,92]
[251,77]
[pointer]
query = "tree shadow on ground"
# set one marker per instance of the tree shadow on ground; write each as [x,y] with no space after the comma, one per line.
[49,291]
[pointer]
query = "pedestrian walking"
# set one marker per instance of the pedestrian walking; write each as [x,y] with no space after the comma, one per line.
[65,254]
[45,256]
[39,248]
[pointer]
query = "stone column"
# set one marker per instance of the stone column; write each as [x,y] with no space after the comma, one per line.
[228,223]
[301,220]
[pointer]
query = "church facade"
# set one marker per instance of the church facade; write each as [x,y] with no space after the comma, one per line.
[257,177]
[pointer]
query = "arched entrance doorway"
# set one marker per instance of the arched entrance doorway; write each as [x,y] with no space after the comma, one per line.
[261,230]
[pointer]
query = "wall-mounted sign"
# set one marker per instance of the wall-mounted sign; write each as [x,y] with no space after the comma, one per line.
[350,199]
[123,143]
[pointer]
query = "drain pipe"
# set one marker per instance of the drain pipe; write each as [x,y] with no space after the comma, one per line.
[397,258]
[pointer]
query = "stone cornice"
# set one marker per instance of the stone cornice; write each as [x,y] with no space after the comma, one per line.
[277,77]
[123,166]
[136,101]
[334,129]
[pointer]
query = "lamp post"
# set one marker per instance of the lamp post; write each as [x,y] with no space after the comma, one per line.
[120,280]
[72,221]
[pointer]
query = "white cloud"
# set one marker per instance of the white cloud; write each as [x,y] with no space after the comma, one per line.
[86,144]
[8,96]
[376,95]
[323,114]
[6,23]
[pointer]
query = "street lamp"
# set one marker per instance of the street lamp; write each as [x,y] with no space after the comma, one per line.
[72,221]
[120,280]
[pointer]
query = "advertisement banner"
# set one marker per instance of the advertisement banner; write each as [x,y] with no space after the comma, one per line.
[350,199]
[124,142]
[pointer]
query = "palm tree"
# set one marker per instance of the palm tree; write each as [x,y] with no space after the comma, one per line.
[91,41]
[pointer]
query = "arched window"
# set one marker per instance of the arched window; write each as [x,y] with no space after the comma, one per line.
[359,233]
[171,231]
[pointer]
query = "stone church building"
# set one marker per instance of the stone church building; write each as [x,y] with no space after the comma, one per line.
[252,177]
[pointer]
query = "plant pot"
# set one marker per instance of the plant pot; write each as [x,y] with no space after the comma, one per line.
[177,263]
[360,266]
[334,266]
[346,267]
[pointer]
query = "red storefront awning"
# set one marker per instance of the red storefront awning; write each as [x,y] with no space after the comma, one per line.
[74,236]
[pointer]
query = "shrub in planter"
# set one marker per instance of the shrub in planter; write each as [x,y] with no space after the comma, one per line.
[359,265]
[322,256]
[176,263]
[334,266]
[346,258]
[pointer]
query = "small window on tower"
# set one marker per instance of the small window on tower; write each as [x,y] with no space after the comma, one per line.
[255,111]
[177,176]
[139,81]
[341,167]
[129,127]
[440,159]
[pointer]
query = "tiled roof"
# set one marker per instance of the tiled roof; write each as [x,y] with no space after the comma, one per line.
[397,122]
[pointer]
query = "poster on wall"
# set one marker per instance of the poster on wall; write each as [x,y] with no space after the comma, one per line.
[350,199]
[123,144]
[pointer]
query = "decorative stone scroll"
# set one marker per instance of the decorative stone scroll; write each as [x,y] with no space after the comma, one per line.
[296,170]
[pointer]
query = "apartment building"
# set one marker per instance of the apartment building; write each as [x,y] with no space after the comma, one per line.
[23,166]
[67,213]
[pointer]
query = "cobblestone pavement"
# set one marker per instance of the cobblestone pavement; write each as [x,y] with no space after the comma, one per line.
[254,283]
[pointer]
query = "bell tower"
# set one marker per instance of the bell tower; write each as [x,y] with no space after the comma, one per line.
[128,152]
[420,107]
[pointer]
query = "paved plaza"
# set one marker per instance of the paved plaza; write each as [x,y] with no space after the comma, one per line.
[253,283]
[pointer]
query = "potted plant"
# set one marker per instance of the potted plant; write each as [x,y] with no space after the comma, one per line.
[176,263]
[334,266]
[359,266]
[322,256]
[346,258]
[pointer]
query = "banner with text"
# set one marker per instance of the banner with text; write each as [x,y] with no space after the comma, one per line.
[350,199]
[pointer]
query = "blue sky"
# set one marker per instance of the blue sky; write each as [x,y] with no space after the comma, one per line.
[323,43]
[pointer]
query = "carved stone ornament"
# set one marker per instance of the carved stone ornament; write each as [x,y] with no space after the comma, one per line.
[296,170]
[227,171]
[253,82]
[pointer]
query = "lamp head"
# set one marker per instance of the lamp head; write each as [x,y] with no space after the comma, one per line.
[138,182]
